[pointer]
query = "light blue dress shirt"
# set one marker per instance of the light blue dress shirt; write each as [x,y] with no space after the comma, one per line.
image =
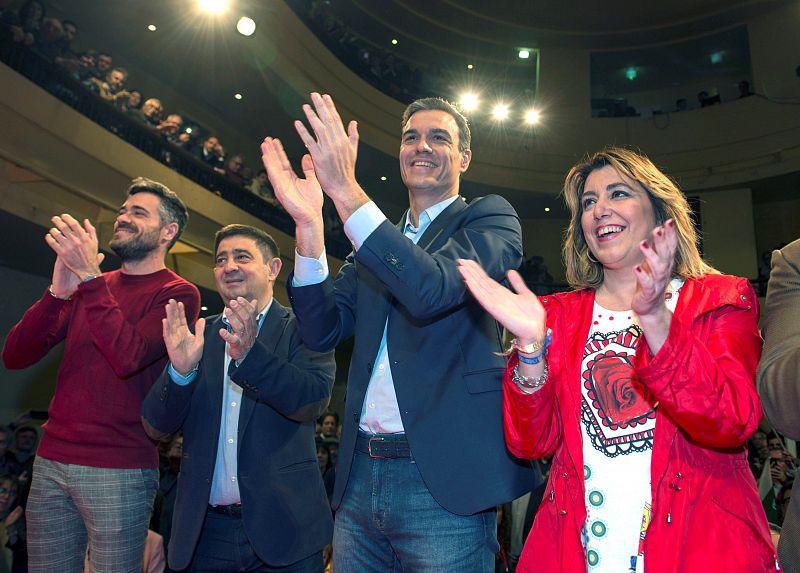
[380,413]
[224,484]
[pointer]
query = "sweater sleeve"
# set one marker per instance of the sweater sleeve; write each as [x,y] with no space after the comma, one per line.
[128,347]
[41,328]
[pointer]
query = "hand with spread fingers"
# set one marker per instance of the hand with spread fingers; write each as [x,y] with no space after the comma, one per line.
[332,149]
[652,277]
[75,245]
[519,311]
[302,198]
[242,318]
[183,347]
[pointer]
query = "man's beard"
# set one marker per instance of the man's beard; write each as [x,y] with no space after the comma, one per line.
[137,247]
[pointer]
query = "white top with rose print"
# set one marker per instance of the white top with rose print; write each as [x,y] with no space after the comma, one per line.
[618,419]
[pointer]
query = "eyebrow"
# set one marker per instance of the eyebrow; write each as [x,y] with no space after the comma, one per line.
[610,187]
[235,252]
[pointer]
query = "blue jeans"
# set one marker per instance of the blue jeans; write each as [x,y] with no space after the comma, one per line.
[72,506]
[388,522]
[223,546]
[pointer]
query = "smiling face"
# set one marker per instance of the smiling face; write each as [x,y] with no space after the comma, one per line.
[430,161]
[240,269]
[138,230]
[617,215]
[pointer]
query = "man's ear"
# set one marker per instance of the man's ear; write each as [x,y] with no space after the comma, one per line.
[275,265]
[168,232]
[466,158]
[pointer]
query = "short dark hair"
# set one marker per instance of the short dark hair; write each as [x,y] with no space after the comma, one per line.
[123,71]
[326,414]
[440,104]
[170,210]
[264,241]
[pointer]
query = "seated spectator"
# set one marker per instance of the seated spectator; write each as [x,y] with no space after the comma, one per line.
[170,128]
[103,64]
[149,114]
[111,88]
[260,186]
[31,14]
[10,27]
[208,152]
[13,537]
[132,102]
[48,42]
[8,461]
[233,168]
[67,56]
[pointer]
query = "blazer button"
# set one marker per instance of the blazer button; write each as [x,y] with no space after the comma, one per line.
[355,417]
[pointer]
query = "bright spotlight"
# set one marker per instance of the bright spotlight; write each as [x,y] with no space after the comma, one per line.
[470,66]
[394,41]
[532,117]
[213,6]
[468,101]
[189,130]
[500,111]
[237,96]
[547,209]
[246,26]
[524,54]
[152,27]
[383,177]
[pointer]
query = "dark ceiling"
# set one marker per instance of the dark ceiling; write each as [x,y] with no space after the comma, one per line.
[206,61]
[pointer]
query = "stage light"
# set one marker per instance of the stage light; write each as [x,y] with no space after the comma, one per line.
[383,177]
[524,54]
[532,117]
[547,209]
[469,66]
[213,6]
[203,308]
[500,111]
[394,41]
[246,26]
[716,58]
[237,96]
[152,27]
[468,101]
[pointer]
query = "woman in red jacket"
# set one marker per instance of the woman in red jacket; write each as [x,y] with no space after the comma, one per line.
[640,382]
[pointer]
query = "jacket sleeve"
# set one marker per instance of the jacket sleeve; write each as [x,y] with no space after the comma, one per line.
[779,370]
[428,284]
[41,328]
[127,347]
[706,383]
[531,421]
[166,406]
[325,312]
[298,385]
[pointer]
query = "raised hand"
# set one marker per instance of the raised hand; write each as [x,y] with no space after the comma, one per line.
[652,277]
[183,347]
[519,311]
[332,149]
[302,198]
[242,318]
[65,282]
[75,245]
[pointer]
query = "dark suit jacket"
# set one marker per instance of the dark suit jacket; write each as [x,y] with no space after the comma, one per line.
[441,346]
[779,375]
[286,386]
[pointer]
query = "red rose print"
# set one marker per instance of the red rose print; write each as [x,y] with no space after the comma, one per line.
[620,395]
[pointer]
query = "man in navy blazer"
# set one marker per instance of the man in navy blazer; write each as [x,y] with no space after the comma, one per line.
[422,460]
[246,393]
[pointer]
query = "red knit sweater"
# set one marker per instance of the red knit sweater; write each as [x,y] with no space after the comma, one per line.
[114,353]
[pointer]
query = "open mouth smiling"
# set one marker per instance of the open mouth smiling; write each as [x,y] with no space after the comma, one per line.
[608,230]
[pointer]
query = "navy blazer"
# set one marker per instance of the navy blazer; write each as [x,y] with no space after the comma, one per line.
[442,345]
[286,386]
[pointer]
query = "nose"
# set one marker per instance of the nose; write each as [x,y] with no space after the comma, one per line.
[601,208]
[422,146]
[230,266]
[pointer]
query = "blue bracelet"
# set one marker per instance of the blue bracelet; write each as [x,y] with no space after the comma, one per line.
[539,357]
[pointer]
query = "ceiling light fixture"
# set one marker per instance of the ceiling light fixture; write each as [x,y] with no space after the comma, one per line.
[468,101]
[524,54]
[631,73]
[213,6]
[547,209]
[237,96]
[152,27]
[500,111]
[246,26]
[383,177]
[469,66]
[394,41]
[203,308]
[532,116]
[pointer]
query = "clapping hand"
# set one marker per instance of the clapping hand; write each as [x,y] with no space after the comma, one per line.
[242,318]
[302,198]
[183,347]
[519,311]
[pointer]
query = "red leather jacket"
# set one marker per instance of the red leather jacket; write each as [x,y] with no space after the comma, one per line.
[707,515]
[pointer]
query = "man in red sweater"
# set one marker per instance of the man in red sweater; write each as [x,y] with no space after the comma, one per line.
[96,474]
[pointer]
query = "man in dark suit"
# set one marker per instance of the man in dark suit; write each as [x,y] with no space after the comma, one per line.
[779,375]
[422,462]
[246,393]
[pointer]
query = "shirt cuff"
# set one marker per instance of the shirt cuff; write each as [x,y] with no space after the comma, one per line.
[308,270]
[179,379]
[360,225]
